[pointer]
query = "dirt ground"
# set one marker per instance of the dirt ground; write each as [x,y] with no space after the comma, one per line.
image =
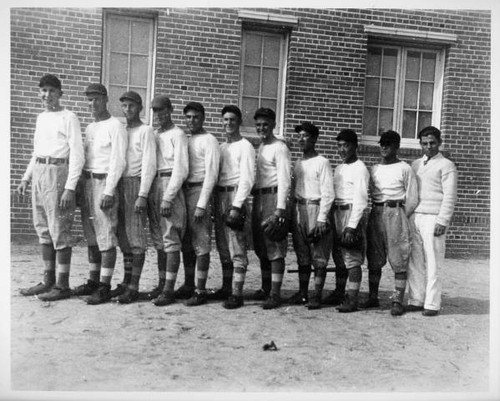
[69,346]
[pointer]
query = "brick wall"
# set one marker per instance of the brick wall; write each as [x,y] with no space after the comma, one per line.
[198,58]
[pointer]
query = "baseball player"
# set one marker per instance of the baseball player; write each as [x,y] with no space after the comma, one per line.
[105,147]
[167,206]
[350,182]
[272,185]
[204,158]
[54,170]
[133,189]
[312,237]
[394,197]
[236,179]
[437,191]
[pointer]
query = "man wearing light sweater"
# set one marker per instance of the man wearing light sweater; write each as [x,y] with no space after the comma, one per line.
[437,189]
[236,179]
[204,159]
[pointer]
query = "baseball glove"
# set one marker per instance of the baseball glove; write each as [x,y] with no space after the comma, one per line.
[275,228]
[236,223]
[315,235]
[351,238]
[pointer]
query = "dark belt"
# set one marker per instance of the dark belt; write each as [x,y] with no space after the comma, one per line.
[341,207]
[302,201]
[51,160]
[226,189]
[263,191]
[97,176]
[165,174]
[192,184]
[390,203]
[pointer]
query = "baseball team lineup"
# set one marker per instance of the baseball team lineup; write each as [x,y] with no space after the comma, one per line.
[178,186]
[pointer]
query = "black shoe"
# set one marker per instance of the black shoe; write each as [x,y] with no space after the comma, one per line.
[86,289]
[334,298]
[397,309]
[199,298]
[314,302]
[298,299]
[128,296]
[413,308]
[348,306]
[55,294]
[120,289]
[220,295]
[101,295]
[40,288]
[260,295]
[370,303]
[272,302]
[164,299]
[233,302]
[150,295]
[430,312]
[184,292]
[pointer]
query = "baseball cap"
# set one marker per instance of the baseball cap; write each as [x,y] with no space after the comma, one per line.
[98,89]
[51,80]
[348,135]
[308,127]
[194,106]
[265,113]
[161,102]
[389,137]
[131,95]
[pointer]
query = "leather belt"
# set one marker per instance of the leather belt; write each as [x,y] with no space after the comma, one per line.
[226,189]
[97,176]
[302,201]
[192,184]
[267,190]
[390,203]
[51,160]
[342,207]
[164,174]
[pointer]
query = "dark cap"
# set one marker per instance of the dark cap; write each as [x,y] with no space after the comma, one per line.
[131,95]
[308,127]
[194,106]
[98,89]
[265,113]
[389,137]
[161,102]
[51,80]
[348,135]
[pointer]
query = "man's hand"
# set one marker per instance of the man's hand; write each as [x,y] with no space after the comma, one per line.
[166,208]
[234,214]
[107,202]
[140,204]
[22,187]
[321,228]
[67,199]
[199,214]
[439,230]
[348,237]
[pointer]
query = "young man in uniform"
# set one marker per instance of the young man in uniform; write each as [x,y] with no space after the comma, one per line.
[437,191]
[54,170]
[204,158]
[312,236]
[105,160]
[271,190]
[350,182]
[167,206]
[236,179]
[394,195]
[133,190]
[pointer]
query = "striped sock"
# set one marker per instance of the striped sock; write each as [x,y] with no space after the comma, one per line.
[173,261]
[400,286]
[265,270]
[354,281]
[161,258]
[239,280]
[95,262]
[49,263]
[63,258]
[137,265]
[277,271]
[189,260]
[203,263]
[128,263]
[319,278]
[108,265]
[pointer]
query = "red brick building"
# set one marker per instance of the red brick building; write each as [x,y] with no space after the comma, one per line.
[366,69]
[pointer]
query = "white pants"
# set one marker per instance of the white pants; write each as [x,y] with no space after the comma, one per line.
[426,259]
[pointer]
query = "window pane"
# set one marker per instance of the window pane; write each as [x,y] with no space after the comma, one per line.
[251,81]
[411,95]
[373,61]
[424,120]
[271,52]
[269,103]
[426,93]
[270,82]
[371,92]
[118,35]
[140,37]
[114,104]
[409,123]
[253,52]
[385,122]
[428,67]
[139,71]
[390,62]
[413,65]
[370,121]
[387,95]
[248,109]
[118,69]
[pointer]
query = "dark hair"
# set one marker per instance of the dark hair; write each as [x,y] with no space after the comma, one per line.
[310,128]
[194,106]
[265,113]
[390,137]
[232,109]
[348,135]
[51,80]
[430,130]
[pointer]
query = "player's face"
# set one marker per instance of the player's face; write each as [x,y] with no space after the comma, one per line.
[388,150]
[50,96]
[346,150]
[163,116]
[306,141]
[130,109]
[231,123]
[264,128]
[430,145]
[194,121]
[97,104]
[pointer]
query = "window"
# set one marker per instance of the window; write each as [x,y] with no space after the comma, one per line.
[128,58]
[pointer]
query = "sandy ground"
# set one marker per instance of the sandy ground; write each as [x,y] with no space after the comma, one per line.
[71,346]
